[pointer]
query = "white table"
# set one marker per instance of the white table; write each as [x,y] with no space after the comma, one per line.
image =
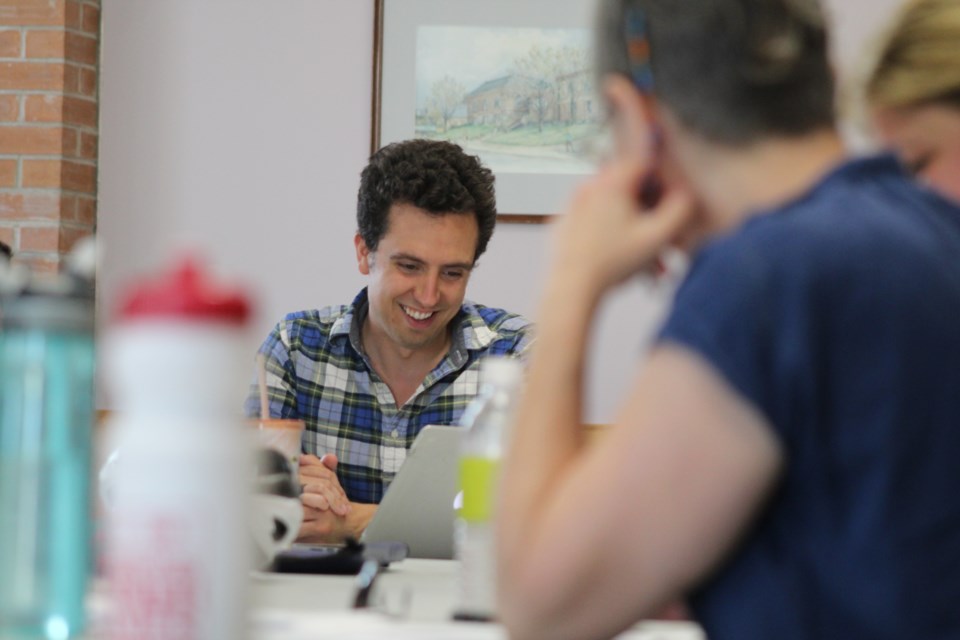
[419,596]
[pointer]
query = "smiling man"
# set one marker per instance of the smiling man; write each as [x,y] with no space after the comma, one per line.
[367,377]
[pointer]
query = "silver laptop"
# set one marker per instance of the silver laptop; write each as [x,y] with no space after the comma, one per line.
[418,506]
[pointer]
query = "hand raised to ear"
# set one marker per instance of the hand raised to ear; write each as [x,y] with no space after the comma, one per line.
[607,235]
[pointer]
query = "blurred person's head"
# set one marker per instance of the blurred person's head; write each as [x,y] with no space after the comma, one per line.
[5,252]
[732,71]
[425,212]
[914,92]
[682,76]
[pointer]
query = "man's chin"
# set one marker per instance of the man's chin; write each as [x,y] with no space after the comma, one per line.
[414,340]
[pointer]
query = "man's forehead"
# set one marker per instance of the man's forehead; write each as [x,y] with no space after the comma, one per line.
[450,237]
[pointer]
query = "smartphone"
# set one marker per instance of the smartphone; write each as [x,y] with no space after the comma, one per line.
[337,559]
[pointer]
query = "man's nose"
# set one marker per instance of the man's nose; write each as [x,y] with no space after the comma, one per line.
[428,290]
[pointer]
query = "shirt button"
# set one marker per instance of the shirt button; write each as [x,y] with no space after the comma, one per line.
[394,433]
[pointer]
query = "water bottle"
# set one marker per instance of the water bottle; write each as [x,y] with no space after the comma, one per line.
[486,420]
[46,412]
[178,551]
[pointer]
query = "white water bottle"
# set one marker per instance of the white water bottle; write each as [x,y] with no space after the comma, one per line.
[486,421]
[177,549]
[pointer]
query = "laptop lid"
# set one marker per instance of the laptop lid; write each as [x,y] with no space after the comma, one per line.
[418,506]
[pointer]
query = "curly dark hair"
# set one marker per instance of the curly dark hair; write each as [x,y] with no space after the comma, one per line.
[433,175]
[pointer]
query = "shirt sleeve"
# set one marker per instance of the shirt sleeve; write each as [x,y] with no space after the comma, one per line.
[524,344]
[280,378]
[724,312]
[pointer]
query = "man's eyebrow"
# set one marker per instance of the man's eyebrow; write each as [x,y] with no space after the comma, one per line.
[411,258]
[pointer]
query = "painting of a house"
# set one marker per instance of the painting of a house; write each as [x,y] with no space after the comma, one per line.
[529,107]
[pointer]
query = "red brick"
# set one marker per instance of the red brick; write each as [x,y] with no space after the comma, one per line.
[71,79]
[29,206]
[48,108]
[7,236]
[69,236]
[88,145]
[31,76]
[86,210]
[9,43]
[79,177]
[8,174]
[90,22]
[81,49]
[32,12]
[79,112]
[31,140]
[88,82]
[9,108]
[41,173]
[46,44]
[39,238]
[71,143]
[72,18]
[68,206]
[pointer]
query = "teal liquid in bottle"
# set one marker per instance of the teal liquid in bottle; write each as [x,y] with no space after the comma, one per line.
[46,407]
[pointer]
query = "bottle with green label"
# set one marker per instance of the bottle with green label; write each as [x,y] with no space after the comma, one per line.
[486,421]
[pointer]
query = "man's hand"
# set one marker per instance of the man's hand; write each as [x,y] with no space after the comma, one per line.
[328,516]
[321,487]
[326,527]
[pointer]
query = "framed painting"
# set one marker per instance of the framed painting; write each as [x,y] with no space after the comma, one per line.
[511,82]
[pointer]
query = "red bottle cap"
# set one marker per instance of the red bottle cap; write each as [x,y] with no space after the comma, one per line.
[185,292]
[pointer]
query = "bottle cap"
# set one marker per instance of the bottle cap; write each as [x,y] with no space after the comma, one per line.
[48,301]
[187,293]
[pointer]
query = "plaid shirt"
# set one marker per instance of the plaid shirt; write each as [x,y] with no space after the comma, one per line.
[317,372]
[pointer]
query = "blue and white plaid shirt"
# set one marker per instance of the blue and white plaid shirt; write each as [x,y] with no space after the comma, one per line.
[317,372]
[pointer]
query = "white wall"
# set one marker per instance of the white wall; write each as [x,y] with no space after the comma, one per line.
[239,127]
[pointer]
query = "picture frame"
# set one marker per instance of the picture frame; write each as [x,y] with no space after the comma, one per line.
[511,82]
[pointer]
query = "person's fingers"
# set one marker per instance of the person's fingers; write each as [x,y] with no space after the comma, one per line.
[309,513]
[329,460]
[317,471]
[308,459]
[674,212]
[315,500]
[334,497]
[324,488]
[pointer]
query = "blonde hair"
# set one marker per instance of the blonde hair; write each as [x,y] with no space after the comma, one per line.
[920,61]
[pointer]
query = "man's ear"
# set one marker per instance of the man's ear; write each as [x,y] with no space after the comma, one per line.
[633,116]
[363,255]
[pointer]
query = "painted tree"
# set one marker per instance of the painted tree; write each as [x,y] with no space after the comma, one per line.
[446,95]
[541,70]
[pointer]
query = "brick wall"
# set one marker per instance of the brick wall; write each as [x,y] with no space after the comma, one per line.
[48,126]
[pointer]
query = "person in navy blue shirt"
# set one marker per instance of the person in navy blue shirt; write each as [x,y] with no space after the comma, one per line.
[788,456]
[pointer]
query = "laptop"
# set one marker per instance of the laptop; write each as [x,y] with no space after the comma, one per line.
[417,508]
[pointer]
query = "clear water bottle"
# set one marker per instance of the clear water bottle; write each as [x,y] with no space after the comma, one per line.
[486,421]
[46,411]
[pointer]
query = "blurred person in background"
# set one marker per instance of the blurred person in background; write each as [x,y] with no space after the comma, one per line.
[914,92]
[787,453]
